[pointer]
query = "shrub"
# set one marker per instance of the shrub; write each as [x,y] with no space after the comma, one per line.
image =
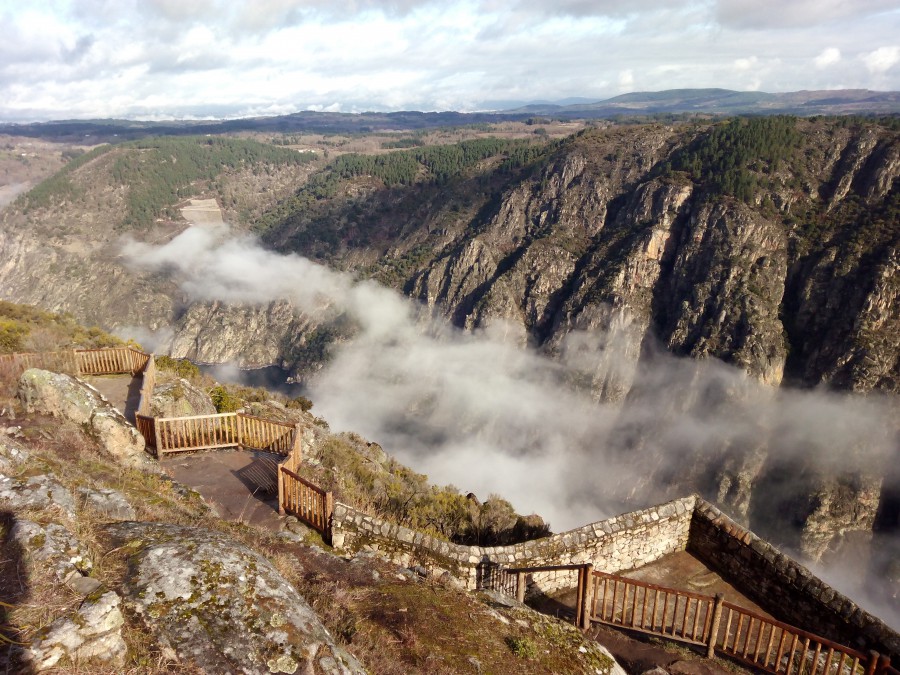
[300,402]
[522,647]
[181,367]
[224,400]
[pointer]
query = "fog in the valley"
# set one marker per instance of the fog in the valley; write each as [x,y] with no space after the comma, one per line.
[477,410]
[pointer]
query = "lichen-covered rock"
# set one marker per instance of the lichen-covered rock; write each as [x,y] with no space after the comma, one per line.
[93,632]
[68,397]
[220,606]
[57,394]
[12,453]
[54,547]
[107,502]
[38,492]
[179,398]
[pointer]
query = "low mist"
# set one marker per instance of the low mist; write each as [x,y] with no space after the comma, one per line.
[479,411]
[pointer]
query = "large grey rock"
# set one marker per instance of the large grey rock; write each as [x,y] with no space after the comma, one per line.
[220,606]
[68,397]
[38,492]
[107,502]
[54,547]
[12,452]
[180,398]
[94,632]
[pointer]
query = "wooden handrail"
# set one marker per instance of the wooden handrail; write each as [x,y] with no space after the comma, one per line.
[546,568]
[799,631]
[297,477]
[654,587]
[305,500]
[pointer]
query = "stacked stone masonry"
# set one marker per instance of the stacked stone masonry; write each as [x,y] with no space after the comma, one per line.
[617,544]
[781,585]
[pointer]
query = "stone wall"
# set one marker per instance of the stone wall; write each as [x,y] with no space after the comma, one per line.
[783,586]
[621,543]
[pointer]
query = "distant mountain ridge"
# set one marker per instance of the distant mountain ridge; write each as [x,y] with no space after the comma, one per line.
[671,101]
[728,101]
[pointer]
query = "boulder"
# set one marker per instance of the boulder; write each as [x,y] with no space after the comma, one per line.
[108,502]
[54,547]
[68,397]
[93,632]
[38,492]
[179,398]
[220,606]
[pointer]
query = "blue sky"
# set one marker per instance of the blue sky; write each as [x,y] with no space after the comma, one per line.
[160,59]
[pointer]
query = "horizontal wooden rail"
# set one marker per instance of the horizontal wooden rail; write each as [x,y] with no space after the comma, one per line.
[62,361]
[199,432]
[110,361]
[777,647]
[308,502]
[637,605]
[105,361]
[222,430]
[760,641]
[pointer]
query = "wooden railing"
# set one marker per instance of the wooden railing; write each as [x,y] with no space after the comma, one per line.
[719,626]
[208,432]
[779,648]
[256,432]
[63,361]
[106,361]
[308,502]
[647,608]
[110,361]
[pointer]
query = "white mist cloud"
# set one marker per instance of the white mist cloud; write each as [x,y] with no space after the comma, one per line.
[828,57]
[476,411]
[882,59]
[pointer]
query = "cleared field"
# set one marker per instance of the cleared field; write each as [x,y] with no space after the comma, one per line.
[203,213]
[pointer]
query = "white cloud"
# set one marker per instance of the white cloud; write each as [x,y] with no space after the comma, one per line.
[62,59]
[828,57]
[746,63]
[882,59]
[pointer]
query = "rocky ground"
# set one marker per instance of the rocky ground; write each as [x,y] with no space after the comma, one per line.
[110,566]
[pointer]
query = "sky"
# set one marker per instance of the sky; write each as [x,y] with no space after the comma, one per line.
[164,59]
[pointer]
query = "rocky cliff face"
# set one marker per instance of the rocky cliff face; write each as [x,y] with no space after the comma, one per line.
[775,249]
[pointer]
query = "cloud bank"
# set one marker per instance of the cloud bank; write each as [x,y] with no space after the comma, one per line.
[97,58]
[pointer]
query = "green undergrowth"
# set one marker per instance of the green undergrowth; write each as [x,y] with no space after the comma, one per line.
[24,328]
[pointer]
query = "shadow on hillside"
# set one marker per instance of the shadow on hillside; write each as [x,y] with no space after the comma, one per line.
[14,590]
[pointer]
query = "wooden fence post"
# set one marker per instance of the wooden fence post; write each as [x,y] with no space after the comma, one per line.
[714,627]
[239,424]
[157,440]
[520,586]
[883,664]
[329,514]
[872,666]
[280,491]
[587,599]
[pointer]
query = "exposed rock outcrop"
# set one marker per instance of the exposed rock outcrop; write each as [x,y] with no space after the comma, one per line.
[67,397]
[220,606]
[93,632]
[179,398]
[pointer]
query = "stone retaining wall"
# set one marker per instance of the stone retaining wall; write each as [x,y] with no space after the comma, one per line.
[621,543]
[783,586]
